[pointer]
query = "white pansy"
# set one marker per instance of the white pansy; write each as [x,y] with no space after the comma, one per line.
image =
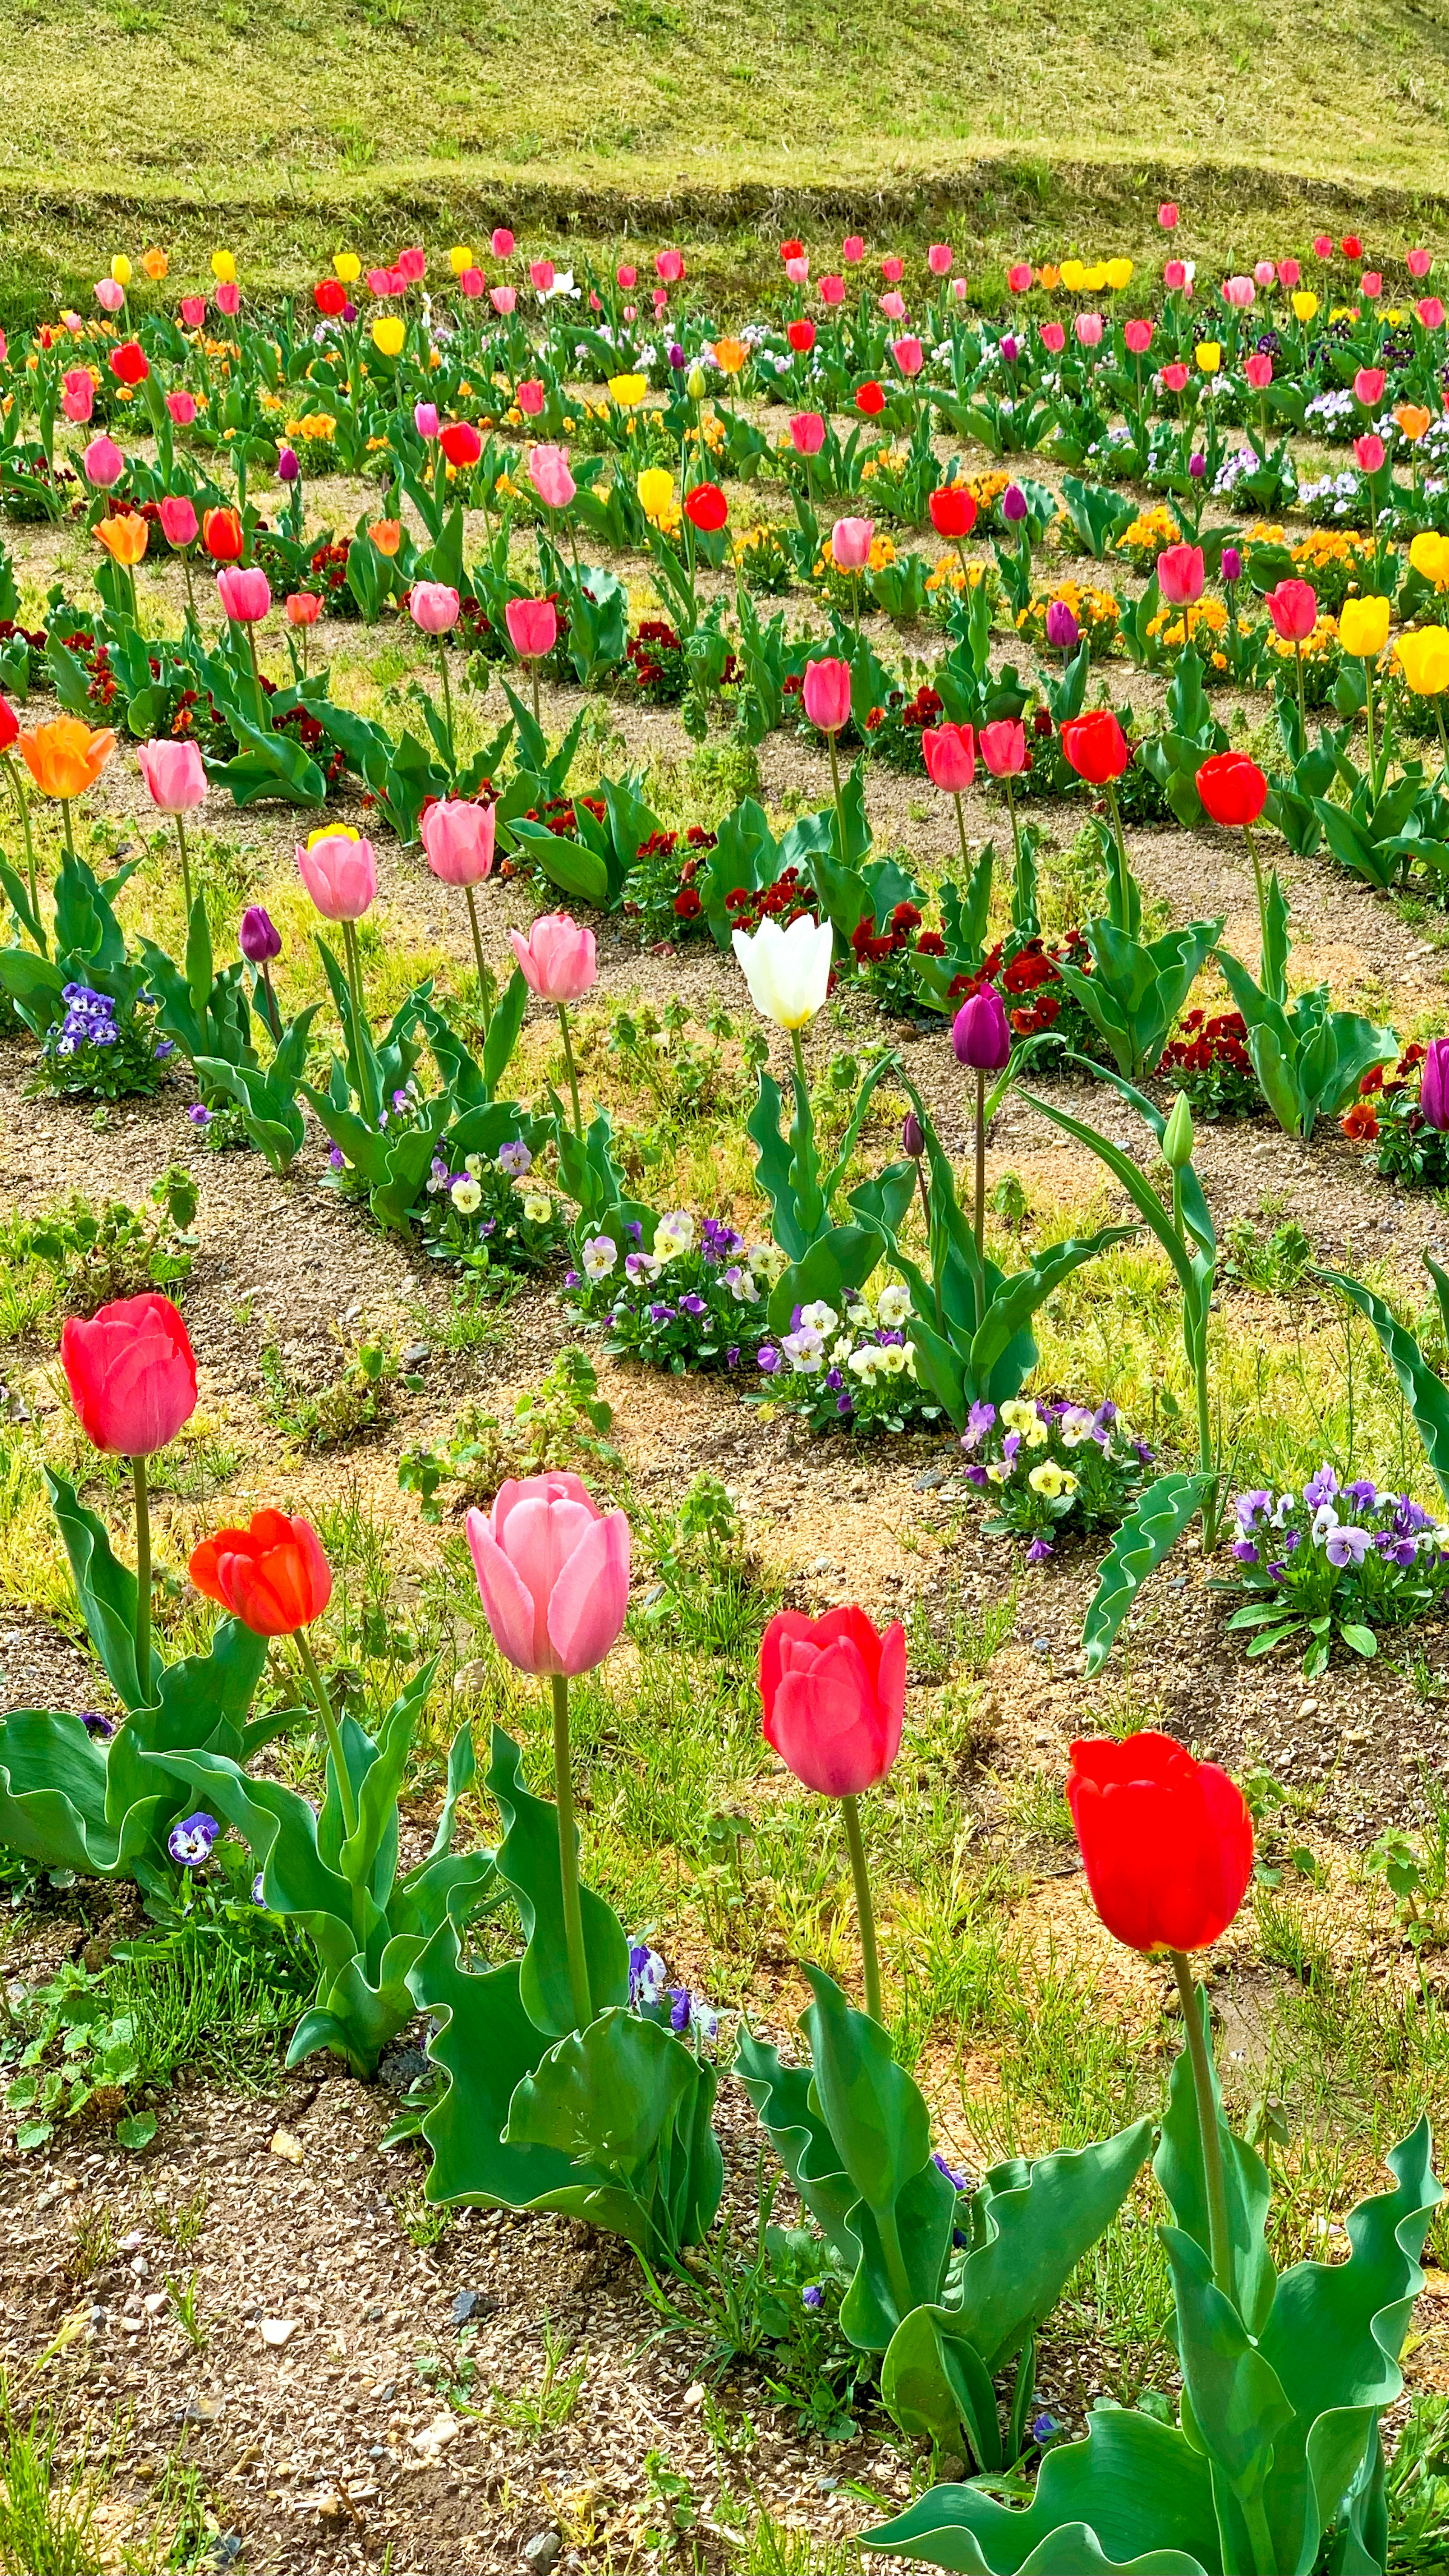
[819,1318]
[894,1306]
[598,1254]
[466,1196]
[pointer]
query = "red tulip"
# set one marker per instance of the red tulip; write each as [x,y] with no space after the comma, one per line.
[707,507]
[460,443]
[949,752]
[1167,1841]
[1095,746]
[1233,789]
[131,1373]
[801,336]
[834,1696]
[330,297]
[1351,246]
[129,363]
[870,399]
[953,510]
[273,1576]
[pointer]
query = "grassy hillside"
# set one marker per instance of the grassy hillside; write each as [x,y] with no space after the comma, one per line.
[288,126]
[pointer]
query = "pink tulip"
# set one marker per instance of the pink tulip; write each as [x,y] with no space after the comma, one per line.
[532,627]
[1263,272]
[1368,386]
[193,311]
[1054,337]
[175,778]
[558,958]
[433,607]
[1323,246]
[1239,292]
[1167,216]
[1371,284]
[1418,262]
[414,265]
[77,394]
[1289,272]
[245,593]
[304,607]
[548,472]
[832,290]
[1259,371]
[827,695]
[1003,747]
[850,541]
[340,874]
[102,462]
[540,274]
[1174,275]
[893,270]
[228,297]
[938,259]
[949,752]
[109,295]
[958,289]
[458,840]
[178,520]
[807,433]
[893,306]
[1138,336]
[472,283]
[182,407]
[852,249]
[502,242]
[553,1573]
[379,281]
[1293,607]
[530,397]
[503,298]
[1431,313]
[1180,575]
[909,356]
[1175,378]
[669,266]
[798,271]
[1369,452]
[425,419]
[626,277]
[629,312]
[1088,328]
[661,298]
[1018,277]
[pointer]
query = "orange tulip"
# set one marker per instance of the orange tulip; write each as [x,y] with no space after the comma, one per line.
[65,758]
[156,264]
[731,355]
[1413,419]
[386,535]
[124,537]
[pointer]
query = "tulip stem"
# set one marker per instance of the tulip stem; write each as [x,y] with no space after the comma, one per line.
[1214,2185]
[1302,704]
[330,1730]
[478,959]
[1269,986]
[1368,685]
[65,827]
[563,1021]
[533,672]
[568,1856]
[865,1910]
[190,593]
[269,1005]
[1124,873]
[980,1165]
[251,636]
[143,1580]
[1438,715]
[448,711]
[13,774]
[839,799]
[185,867]
[359,1048]
[935,1276]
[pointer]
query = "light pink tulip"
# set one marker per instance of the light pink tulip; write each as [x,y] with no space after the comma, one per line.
[1088,328]
[77,394]
[893,305]
[958,289]
[850,543]
[178,520]
[175,778]
[531,397]
[1239,292]
[553,1573]
[1263,272]
[193,311]
[228,297]
[433,607]
[807,432]
[832,290]
[245,593]
[558,958]
[340,874]
[938,259]
[548,472]
[1181,575]
[425,419]
[102,462]
[501,244]
[798,271]
[109,294]
[458,840]
[182,407]
[827,695]
[503,299]
[532,627]
[909,356]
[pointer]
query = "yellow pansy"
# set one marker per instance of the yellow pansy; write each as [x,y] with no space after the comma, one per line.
[1423,657]
[1046,1480]
[388,334]
[627,390]
[1209,356]
[1363,628]
[223,267]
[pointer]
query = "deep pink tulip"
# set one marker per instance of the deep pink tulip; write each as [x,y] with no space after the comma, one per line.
[540,274]
[102,462]
[893,270]
[532,627]
[1003,747]
[182,407]
[1181,575]
[193,311]
[1369,452]
[132,1374]
[228,297]
[832,290]
[553,1573]
[175,778]
[1368,386]
[1167,216]
[245,593]
[1138,336]
[339,872]
[1434,1084]
[981,1032]
[414,265]
[77,394]
[558,958]
[502,242]
[1018,277]
[1418,262]
[626,277]
[827,695]
[1258,370]
[833,1691]
[548,472]
[1054,337]
[949,752]
[178,519]
[669,266]
[909,356]
[1371,284]
[433,607]
[530,397]
[1323,246]
[807,433]
[458,839]
[1293,607]
[850,541]
[1431,313]
[1174,275]
[938,259]
[425,419]
[1289,272]
[852,249]
[472,282]
[379,281]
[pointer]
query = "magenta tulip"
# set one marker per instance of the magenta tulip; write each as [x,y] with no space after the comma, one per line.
[980,1032]
[827,695]
[1434,1084]
[245,593]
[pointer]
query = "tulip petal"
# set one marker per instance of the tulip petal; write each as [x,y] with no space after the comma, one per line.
[826,1723]
[507,1602]
[590,1598]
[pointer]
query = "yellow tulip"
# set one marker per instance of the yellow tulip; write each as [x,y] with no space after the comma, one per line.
[121,269]
[656,491]
[1429,555]
[123,537]
[388,334]
[1209,355]
[1073,276]
[459,258]
[1095,278]
[1305,304]
[1119,274]
[346,267]
[1363,628]
[627,390]
[223,267]
[1423,657]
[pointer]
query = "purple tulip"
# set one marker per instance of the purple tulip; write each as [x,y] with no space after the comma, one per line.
[1062,631]
[913,1136]
[288,466]
[1010,349]
[980,1034]
[1434,1084]
[259,938]
[1013,503]
[1197,467]
[1232,565]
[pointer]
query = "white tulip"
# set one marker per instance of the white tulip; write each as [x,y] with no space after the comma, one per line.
[787,971]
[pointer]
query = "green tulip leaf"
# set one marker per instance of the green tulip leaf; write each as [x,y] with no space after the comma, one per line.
[783,2098]
[1132,2499]
[1149,1533]
[881,2129]
[1423,1390]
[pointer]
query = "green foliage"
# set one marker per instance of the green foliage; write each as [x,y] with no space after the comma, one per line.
[98,1252]
[1150,1531]
[562,1422]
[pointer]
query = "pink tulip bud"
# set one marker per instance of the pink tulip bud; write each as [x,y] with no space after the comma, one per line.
[827,695]
[1259,371]
[182,407]
[852,249]
[798,271]
[1174,275]
[1369,452]
[1368,386]
[303,608]
[938,259]
[540,274]
[626,277]
[433,607]
[1088,328]
[532,628]
[949,752]
[414,265]
[1054,337]
[228,297]
[109,295]
[77,394]
[909,356]
[175,778]
[1371,284]
[1138,336]
[850,541]
[102,462]
[503,298]
[669,266]
[893,306]
[530,397]
[1289,272]
[1167,216]
[244,592]
[807,433]
[832,290]
[1180,575]
[193,311]
[553,1573]
[1418,262]
[548,472]
[558,958]
[502,242]
[425,419]
[458,840]
[339,872]
[1018,277]
[178,520]
[1003,747]
[1263,272]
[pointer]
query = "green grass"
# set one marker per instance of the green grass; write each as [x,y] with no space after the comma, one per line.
[289,130]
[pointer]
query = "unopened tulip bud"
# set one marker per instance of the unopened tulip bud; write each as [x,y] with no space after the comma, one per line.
[913,1136]
[1177,1135]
